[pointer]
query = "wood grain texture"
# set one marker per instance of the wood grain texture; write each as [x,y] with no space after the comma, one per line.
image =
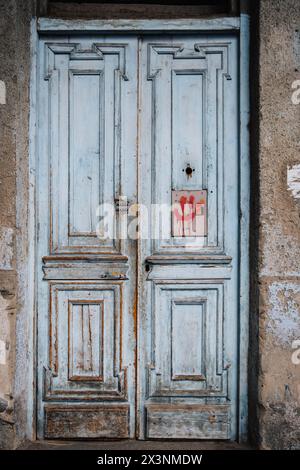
[87,422]
[188,421]
[141,25]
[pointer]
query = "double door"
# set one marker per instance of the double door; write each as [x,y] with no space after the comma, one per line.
[137,237]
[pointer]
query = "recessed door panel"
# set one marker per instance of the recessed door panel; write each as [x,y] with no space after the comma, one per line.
[87,104]
[86,99]
[187,338]
[187,140]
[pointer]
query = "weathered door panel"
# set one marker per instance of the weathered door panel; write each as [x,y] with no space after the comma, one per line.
[86,283]
[188,313]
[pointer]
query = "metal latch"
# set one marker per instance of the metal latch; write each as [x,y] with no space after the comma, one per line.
[121,204]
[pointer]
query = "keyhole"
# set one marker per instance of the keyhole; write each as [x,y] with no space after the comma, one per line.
[188,170]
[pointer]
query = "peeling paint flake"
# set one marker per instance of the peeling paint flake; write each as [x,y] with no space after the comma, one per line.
[293,180]
[2,92]
[284,313]
[6,248]
[2,353]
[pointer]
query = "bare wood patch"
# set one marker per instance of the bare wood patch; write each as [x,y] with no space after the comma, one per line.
[188,421]
[87,422]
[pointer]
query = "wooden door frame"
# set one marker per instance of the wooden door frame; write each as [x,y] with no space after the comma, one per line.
[241,26]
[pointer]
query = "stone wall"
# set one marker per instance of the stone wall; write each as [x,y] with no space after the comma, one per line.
[278,229]
[15,17]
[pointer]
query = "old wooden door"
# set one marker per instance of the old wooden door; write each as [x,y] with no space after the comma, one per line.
[137,336]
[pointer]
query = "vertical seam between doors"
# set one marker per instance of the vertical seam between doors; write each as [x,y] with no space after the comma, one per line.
[137,375]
